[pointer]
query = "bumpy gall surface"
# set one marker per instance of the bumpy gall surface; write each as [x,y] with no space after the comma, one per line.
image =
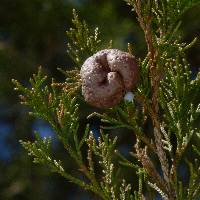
[107,76]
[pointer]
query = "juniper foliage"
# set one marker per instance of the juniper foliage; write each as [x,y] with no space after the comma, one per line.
[166,96]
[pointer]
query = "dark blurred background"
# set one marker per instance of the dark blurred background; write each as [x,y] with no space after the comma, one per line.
[32,33]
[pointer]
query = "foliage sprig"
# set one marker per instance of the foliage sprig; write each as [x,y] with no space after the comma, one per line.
[166,99]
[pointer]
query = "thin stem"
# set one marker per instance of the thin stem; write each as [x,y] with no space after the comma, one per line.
[145,23]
